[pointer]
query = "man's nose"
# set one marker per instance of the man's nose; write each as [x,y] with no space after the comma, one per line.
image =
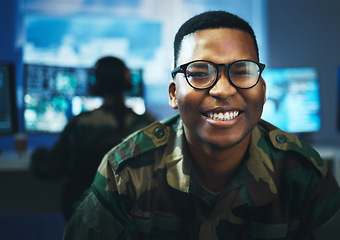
[222,88]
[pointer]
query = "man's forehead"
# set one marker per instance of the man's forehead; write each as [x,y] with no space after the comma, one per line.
[187,46]
[208,39]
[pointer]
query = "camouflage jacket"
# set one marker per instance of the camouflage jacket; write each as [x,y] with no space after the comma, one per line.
[143,190]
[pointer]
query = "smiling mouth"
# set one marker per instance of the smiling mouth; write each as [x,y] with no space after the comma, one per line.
[222,116]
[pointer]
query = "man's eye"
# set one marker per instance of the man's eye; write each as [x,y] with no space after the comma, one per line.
[242,73]
[197,74]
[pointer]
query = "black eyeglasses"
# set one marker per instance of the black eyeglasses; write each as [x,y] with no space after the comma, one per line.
[203,74]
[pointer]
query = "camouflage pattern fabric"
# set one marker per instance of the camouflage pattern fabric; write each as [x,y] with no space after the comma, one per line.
[144,190]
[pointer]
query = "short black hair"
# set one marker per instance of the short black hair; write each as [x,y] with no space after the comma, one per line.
[211,20]
[110,74]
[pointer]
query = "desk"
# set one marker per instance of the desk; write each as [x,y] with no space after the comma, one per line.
[23,193]
[11,160]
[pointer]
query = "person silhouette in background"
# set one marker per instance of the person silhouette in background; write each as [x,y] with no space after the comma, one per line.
[89,135]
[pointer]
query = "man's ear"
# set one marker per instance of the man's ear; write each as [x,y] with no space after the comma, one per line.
[172,95]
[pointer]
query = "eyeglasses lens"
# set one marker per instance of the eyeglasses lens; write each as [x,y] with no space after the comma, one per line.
[243,74]
[201,74]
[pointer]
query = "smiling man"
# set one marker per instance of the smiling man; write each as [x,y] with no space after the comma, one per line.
[216,170]
[219,104]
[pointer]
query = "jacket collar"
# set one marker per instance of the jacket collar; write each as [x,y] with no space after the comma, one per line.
[258,170]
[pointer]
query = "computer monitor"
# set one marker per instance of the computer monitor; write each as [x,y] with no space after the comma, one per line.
[53,94]
[293,101]
[8,114]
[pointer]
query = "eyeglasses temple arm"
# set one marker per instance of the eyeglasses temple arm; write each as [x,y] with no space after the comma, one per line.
[175,71]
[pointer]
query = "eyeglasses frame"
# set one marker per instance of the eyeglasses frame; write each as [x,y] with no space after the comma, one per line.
[182,68]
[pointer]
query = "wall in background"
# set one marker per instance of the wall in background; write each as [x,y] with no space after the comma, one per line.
[305,33]
[9,20]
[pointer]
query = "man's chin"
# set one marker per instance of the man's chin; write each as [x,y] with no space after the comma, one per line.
[221,144]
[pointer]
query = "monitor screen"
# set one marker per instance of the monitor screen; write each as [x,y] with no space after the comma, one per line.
[8,119]
[293,101]
[53,94]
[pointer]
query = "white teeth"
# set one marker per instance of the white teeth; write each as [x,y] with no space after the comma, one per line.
[227,116]
[223,116]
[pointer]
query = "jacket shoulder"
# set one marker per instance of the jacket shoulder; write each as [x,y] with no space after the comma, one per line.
[151,137]
[285,141]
